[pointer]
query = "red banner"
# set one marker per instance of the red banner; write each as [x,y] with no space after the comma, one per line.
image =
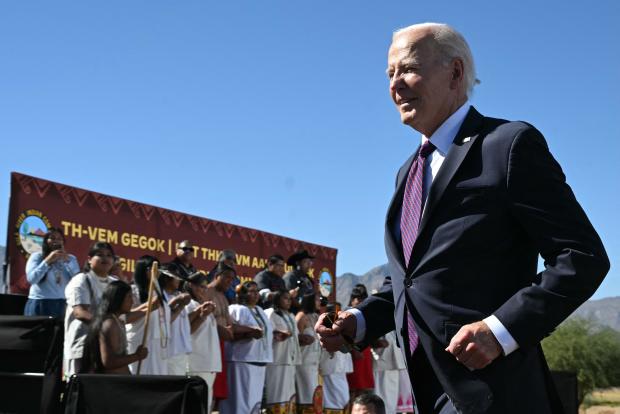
[136,229]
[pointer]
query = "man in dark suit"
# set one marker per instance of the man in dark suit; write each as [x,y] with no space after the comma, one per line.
[474,207]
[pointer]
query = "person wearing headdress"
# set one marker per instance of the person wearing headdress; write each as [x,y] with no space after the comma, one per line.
[205,359]
[180,343]
[280,376]
[248,353]
[223,277]
[270,281]
[298,277]
[307,372]
[183,260]
[334,368]
[105,348]
[158,335]
[48,273]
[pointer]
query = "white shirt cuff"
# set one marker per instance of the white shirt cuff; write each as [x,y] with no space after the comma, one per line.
[360,330]
[502,335]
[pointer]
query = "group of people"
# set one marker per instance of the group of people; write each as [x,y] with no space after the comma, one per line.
[474,206]
[253,342]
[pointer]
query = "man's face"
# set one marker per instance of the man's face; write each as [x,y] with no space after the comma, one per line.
[185,253]
[225,279]
[420,85]
[362,409]
[305,265]
[277,268]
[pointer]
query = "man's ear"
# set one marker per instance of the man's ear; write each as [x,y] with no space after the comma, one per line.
[457,73]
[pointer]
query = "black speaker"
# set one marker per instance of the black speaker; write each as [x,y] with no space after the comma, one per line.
[26,342]
[148,394]
[21,393]
[12,304]
[31,359]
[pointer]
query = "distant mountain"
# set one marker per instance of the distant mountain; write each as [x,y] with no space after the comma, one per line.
[605,311]
[373,279]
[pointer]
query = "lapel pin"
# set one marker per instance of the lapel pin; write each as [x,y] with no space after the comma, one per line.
[466,139]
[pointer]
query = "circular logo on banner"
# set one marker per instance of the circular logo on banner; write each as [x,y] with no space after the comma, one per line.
[326,283]
[30,228]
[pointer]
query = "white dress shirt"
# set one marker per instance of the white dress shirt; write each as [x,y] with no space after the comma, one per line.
[442,139]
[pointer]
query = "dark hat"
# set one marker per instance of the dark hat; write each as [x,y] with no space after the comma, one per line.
[197,278]
[227,254]
[298,256]
[185,243]
[223,267]
[170,270]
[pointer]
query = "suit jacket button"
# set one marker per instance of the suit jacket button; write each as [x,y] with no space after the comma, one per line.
[408,283]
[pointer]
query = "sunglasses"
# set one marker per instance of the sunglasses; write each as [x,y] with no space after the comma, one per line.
[187,249]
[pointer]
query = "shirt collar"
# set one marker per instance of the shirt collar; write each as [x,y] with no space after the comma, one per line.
[443,137]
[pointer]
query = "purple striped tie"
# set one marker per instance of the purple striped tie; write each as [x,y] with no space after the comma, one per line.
[410,219]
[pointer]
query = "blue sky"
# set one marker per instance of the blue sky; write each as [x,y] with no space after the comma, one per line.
[276,115]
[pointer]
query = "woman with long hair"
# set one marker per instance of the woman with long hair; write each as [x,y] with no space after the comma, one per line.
[248,353]
[105,348]
[280,376]
[159,322]
[205,359]
[83,295]
[307,373]
[48,273]
[180,344]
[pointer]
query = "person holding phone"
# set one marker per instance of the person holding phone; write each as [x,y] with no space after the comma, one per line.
[48,273]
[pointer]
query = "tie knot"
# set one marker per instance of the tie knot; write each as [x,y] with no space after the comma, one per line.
[426,149]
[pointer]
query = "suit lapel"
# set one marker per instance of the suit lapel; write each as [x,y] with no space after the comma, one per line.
[463,142]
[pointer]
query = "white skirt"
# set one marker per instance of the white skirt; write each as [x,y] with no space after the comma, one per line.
[280,383]
[387,387]
[155,363]
[245,388]
[306,379]
[335,391]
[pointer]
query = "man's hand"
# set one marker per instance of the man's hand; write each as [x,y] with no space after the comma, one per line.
[332,333]
[475,346]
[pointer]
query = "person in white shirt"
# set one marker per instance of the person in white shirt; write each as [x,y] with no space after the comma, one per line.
[248,353]
[158,335]
[334,367]
[307,372]
[388,361]
[83,293]
[280,377]
[205,359]
[180,343]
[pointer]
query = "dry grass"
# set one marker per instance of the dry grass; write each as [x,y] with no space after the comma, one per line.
[602,402]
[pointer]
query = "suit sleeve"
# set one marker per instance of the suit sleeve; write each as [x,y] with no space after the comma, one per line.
[575,259]
[378,312]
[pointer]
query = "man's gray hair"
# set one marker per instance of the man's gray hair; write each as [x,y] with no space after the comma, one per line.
[450,45]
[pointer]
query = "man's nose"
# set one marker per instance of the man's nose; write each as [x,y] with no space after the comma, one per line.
[396,83]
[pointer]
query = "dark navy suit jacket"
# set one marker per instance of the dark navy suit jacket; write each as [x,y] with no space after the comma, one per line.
[499,200]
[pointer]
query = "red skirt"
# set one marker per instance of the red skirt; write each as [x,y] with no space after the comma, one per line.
[220,386]
[362,377]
